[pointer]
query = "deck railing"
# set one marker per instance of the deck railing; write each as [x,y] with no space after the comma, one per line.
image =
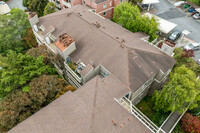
[139,115]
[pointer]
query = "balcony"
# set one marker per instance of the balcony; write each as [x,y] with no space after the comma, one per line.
[57,3]
[66,3]
[72,69]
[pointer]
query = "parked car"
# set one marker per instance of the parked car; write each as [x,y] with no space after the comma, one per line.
[144,6]
[192,9]
[186,5]
[196,16]
[193,46]
[174,36]
[198,61]
[179,3]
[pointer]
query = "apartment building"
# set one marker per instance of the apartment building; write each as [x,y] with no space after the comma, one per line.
[104,8]
[96,50]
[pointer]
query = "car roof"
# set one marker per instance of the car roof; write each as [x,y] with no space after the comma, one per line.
[195,44]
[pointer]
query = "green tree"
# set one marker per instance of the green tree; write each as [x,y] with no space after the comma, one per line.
[18,70]
[130,18]
[179,56]
[179,92]
[50,8]
[36,5]
[19,105]
[196,2]
[30,38]
[48,56]
[13,31]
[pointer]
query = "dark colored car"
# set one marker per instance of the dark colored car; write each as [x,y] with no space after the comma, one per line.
[175,35]
[192,9]
[145,6]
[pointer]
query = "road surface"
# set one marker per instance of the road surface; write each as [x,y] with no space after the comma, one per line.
[15,4]
[167,11]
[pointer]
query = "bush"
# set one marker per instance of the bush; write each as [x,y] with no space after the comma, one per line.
[19,105]
[190,123]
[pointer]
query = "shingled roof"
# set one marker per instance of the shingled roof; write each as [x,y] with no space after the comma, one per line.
[87,110]
[104,42]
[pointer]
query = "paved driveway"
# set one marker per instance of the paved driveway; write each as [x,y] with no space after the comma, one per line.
[16,4]
[167,11]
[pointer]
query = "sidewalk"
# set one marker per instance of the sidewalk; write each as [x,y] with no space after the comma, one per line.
[184,42]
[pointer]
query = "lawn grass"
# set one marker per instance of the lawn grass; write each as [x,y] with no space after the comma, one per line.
[146,107]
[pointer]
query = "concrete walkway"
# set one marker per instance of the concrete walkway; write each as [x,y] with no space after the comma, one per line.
[16,4]
[169,124]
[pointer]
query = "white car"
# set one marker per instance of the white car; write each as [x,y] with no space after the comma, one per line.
[193,46]
[198,61]
[179,3]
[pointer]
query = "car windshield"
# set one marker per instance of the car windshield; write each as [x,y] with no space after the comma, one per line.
[191,46]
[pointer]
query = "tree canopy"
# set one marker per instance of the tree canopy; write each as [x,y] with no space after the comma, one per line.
[30,38]
[48,56]
[190,123]
[35,5]
[50,8]
[18,70]
[182,89]
[19,105]
[130,18]
[13,31]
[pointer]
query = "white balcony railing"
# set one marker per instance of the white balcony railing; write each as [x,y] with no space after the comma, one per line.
[139,115]
[66,4]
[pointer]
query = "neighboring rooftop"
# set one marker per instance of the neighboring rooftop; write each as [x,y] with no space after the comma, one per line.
[90,109]
[104,42]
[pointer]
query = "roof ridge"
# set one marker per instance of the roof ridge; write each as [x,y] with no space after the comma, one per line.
[160,52]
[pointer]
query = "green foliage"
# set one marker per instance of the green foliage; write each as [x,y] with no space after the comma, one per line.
[30,39]
[146,106]
[48,56]
[179,92]
[25,3]
[135,1]
[196,2]
[19,105]
[18,70]
[13,31]
[50,8]
[188,62]
[36,5]
[178,129]
[130,18]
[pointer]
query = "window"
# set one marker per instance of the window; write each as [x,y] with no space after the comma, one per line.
[83,2]
[110,11]
[111,3]
[121,1]
[104,13]
[105,6]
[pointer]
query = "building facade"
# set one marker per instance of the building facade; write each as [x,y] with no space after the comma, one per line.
[104,8]
[94,46]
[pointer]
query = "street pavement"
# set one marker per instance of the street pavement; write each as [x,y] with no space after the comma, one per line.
[16,4]
[167,11]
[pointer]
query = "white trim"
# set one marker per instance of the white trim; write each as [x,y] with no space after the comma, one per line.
[105,10]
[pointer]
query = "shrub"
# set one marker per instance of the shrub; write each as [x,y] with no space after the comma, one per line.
[190,123]
[19,105]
